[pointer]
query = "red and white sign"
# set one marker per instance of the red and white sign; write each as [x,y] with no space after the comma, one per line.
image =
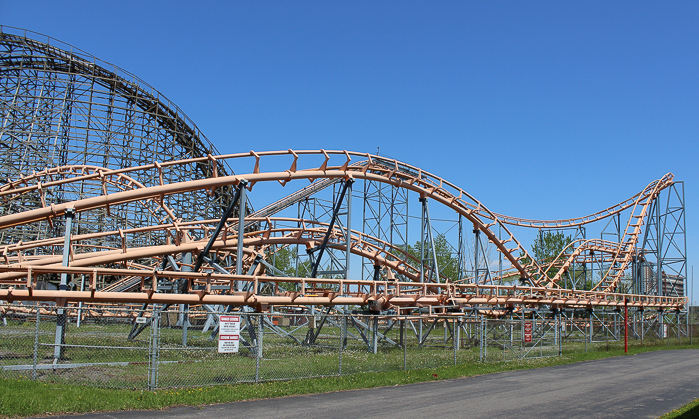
[527,332]
[228,334]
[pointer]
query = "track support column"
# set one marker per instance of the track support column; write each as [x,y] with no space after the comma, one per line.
[626,326]
[336,210]
[154,354]
[60,313]
[241,228]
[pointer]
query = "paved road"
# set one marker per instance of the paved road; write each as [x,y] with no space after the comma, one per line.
[640,386]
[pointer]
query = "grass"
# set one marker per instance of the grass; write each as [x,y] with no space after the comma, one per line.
[204,373]
[688,411]
[22,397]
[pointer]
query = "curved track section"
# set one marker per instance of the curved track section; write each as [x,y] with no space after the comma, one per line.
[399,175]
[191,236]
[649,193]
[395,261]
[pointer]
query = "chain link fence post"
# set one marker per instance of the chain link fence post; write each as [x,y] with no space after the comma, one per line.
[36,341]
[154,352]
[590,324]
[343,327]
[560,333]
[454,337]
[259,348]
[404,338]
[482,338]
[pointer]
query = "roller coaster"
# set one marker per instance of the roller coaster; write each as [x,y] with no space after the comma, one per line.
[108,185]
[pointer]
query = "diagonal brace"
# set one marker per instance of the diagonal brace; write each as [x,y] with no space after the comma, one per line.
[336,210]
[204,253]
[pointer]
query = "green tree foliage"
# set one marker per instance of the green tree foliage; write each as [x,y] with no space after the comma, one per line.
[547,246]
[448,264]
[626,283]
[284,259]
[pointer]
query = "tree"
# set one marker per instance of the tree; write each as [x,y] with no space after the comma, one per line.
[547,246]
[448,264]
[284,259]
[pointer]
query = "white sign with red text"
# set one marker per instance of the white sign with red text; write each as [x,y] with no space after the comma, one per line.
[228,334]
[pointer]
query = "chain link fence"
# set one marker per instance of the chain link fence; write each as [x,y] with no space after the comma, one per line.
[173,346]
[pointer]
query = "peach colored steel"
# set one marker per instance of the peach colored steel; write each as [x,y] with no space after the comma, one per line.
[376,168]
[632,232]
[577,249]
[621,253]
[396,174]
[395,259]
[80,173]
[662,183]
[648,193]
[384,294]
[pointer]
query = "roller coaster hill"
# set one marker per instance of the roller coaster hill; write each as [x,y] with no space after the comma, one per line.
[111,197]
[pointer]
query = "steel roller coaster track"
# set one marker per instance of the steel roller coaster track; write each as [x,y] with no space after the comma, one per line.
[406,284]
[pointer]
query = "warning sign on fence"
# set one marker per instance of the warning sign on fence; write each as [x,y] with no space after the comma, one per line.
[228,334]
[527,332]
[228,343]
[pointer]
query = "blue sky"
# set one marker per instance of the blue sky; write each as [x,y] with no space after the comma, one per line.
[539,109]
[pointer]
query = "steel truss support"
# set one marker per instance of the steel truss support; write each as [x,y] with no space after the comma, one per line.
[219,309]
[315,326]
[60,313]
[461,251]
[317,210]
[612,230]
[604,325]
[183,320]
[336,211]
[662,270]
[478,252]
[609,325]
[385,217]
[676,324]
[425,335]
[428,253]
[579,273]
[574,324]
[136,328]
[238,197]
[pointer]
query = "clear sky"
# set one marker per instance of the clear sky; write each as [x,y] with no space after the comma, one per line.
[539,109]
